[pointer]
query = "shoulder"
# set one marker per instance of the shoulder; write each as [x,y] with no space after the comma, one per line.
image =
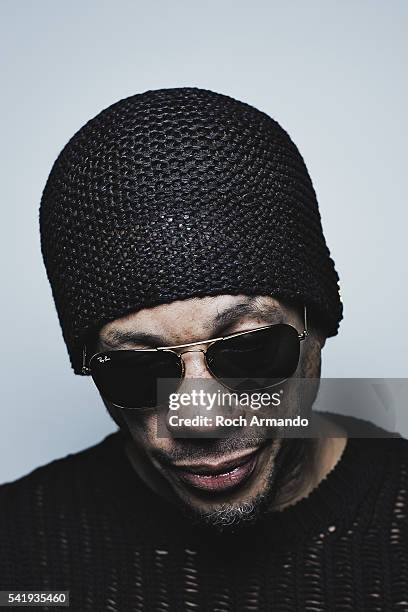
[372,439]
[52,518]
[398,447]
[60,480]
[356,427]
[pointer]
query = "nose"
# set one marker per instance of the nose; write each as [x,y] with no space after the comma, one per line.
[205,400]
[195,365]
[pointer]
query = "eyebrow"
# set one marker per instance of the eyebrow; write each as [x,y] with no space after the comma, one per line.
[217,327]
[226,318]
[116,338]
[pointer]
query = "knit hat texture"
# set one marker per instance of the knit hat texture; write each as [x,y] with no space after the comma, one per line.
[177,193]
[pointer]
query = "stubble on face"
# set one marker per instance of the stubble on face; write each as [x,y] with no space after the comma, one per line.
[283,473]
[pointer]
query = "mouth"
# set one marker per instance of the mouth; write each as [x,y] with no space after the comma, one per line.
[218,477]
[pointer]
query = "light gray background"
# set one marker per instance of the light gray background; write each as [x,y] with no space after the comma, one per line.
[334,75]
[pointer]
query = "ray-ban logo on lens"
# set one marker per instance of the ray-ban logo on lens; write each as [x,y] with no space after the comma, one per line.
[103,359]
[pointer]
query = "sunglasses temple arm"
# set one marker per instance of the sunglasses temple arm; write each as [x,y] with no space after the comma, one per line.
[84,369]
[305,331]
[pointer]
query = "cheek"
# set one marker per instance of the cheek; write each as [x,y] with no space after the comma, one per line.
[142,427]
[143,430]
[310,360]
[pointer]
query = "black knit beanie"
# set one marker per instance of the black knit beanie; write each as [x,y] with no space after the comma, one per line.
[178,193]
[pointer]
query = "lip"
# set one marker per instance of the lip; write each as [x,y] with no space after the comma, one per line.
[221,476]
[213,467]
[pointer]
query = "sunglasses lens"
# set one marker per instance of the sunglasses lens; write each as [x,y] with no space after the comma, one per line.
[129,378]
[256,360]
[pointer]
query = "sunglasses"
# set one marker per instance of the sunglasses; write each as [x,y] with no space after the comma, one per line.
[252,360]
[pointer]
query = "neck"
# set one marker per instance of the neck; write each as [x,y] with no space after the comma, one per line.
[312,461]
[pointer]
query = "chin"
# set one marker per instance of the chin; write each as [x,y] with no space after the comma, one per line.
[230,517]
[229,512]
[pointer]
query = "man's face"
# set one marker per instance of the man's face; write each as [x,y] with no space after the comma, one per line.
[220,480]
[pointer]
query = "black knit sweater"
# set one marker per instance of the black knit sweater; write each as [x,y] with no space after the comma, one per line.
[87,524]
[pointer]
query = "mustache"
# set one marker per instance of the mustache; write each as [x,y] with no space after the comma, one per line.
[188,449]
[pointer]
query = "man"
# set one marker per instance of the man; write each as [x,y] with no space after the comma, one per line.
[176,220]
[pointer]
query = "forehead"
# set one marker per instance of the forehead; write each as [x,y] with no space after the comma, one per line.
[198,318]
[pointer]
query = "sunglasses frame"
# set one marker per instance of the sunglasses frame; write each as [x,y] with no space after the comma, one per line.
[87,369]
